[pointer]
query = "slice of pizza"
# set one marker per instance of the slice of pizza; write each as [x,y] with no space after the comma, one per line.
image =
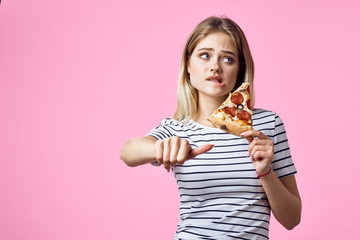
[234,115]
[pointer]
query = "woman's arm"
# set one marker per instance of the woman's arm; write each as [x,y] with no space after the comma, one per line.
[284,199]
[139,151]
[283,195]
[167,151]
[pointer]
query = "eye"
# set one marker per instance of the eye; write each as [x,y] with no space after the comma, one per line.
[228,59]
[204,56]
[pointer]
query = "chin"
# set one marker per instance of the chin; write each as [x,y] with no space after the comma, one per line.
[218,94]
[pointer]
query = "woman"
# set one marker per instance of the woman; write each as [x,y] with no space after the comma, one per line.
[227,185]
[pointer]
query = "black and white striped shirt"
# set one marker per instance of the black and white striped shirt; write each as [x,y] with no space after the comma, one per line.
[221,198]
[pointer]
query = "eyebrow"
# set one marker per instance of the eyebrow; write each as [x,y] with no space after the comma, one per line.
[211,49]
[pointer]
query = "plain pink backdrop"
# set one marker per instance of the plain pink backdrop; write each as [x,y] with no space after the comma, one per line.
[79,78]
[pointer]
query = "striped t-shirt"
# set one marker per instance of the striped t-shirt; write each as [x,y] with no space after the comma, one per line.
[221,198]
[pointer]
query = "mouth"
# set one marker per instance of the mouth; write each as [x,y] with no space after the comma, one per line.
[216,79]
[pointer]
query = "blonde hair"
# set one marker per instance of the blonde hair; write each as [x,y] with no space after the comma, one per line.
[187,95]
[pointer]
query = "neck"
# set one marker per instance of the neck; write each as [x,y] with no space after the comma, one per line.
[206,106]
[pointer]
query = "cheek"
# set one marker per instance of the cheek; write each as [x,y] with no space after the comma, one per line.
[232,73]
[195,69]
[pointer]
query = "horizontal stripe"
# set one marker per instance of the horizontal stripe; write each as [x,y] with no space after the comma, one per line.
[231,192]
[206,172]
[219,189]
[256,118]
[263,123]
[236,237]
[224,204]
[206,134]
[216,179]
[257,212]
[265,236]
[205,211]
[252,219]
[290,165]
[279,133]
[280,159]
[217,140]
[217,158]
[283,141]
[211,229]
[218,198]
[194,233]
[281,150]
[217,186]
[227,152]
[203,218]
[265,129]
[232,145]
[242,225]
[213,164]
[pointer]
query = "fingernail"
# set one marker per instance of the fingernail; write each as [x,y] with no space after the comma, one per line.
[243,134]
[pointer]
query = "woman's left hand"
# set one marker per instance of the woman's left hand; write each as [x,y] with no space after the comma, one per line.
[261,150]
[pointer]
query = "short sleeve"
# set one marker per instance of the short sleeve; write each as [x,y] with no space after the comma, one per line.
[282,163]
[160,132]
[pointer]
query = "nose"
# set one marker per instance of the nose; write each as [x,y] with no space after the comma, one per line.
[215,68]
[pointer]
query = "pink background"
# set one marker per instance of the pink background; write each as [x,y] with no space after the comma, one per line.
[76,75]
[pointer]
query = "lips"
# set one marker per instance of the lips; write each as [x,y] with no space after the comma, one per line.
[216,79]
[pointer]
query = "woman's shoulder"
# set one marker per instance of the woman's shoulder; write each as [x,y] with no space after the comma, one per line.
[260,112]
[169,121]
[175,123]
[263,117]
[175,127]
[267,120]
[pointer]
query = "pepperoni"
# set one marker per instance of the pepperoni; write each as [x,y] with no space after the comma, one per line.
[230,110]
[236,98]
[243,115]
[248,104]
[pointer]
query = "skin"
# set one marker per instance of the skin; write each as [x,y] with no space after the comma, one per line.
[216,55]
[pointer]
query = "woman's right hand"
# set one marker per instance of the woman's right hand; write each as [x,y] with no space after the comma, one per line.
[176,150]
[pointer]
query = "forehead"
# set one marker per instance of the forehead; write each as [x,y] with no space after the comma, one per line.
[217,41]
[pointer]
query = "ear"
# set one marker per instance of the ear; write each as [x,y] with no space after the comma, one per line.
[188,64]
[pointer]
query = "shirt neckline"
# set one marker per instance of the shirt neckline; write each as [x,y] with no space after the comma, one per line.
[212,129]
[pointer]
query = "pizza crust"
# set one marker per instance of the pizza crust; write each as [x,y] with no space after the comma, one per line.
[225,123]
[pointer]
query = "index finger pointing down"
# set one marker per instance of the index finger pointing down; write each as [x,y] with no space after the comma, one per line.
[200,150]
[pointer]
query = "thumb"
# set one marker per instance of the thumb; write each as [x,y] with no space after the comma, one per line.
[249,139]
[199,150]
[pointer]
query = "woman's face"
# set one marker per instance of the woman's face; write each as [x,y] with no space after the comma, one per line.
[213,66]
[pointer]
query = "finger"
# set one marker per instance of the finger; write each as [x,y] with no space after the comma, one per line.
[175,145]
[253,134]
[183,151]
[159,151]
[249,139]
[199,150]
[259,155]
[166,154]
[257,142]
[256,149]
